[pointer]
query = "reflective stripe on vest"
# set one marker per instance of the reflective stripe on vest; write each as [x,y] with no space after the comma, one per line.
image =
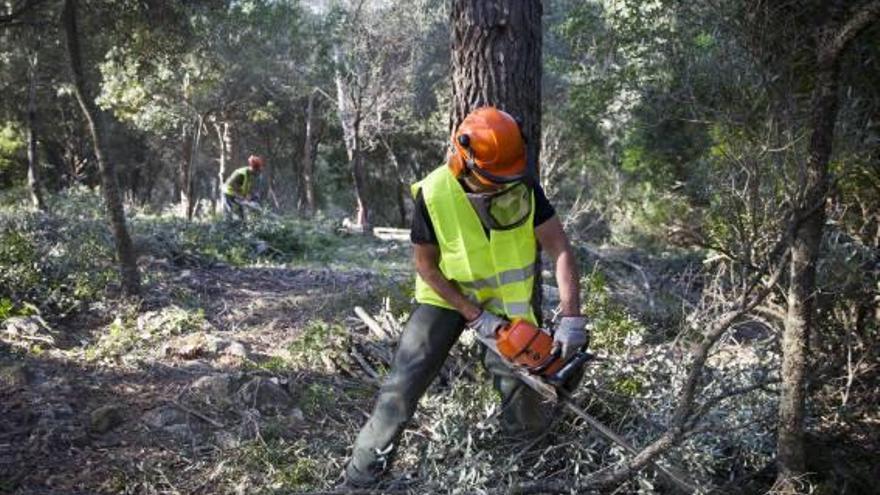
[505,277]
[496,272]
[247,183]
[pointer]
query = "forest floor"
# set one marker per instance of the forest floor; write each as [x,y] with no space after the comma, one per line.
[255,378]
[160,397]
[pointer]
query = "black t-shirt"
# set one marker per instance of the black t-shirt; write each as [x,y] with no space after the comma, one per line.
[422,230]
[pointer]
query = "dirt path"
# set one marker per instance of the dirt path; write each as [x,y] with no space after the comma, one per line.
[264,307]
[153,402]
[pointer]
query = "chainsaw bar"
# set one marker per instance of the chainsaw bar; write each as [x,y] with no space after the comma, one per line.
[547,391]
[551,394]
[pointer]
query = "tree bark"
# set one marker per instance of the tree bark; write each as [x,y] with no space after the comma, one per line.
[270,173]
[307,191]
[196,160]
[349,102]
[496,60]
[800,318]
[804,254]
[399,186]
[33,176]
[110,188]
[224,142]
[357,172]
[184,172]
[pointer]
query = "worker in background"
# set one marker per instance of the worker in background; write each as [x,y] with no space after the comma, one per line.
[477,224]
[242,186]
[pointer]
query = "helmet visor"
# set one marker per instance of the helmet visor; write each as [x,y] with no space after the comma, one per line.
[505,209]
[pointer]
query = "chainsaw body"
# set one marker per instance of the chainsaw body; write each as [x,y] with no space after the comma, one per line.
[526,345]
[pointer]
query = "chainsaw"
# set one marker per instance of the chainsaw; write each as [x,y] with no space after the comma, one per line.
[526,345]
[529,353]
[256,207]
[251,205]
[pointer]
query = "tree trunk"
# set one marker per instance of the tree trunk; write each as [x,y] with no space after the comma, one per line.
[399,186]
[357,171]
[222,130]
[196,159]
[33,177]
[270,174]
[800,318]
[307,191]
[496,60]
[804,254]
[184,172]
[349,107]
[95,120]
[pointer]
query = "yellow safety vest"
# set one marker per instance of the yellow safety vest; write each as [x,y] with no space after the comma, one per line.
[497,271]
[247,182]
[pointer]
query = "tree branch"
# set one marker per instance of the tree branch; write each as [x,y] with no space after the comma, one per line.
[714,401]
[859,21]
[683,418]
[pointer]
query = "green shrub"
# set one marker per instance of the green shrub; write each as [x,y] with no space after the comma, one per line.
[121,337]
[12,143]
[291,465]
[20,261]
[318,341]
[613,327]
[7,308]
[315,397]
[260,239]
[58,261]
[645,216]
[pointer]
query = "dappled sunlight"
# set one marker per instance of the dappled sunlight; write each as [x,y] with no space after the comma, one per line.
[217,218]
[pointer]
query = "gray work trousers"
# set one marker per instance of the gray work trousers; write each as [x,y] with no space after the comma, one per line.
[426,341]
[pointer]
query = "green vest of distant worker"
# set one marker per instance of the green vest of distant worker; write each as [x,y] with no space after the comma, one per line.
[498,271]
[240,183]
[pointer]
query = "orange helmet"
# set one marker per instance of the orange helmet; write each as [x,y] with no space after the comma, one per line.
[489,143]
[256,162]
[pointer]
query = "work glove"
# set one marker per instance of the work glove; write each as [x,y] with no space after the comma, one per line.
[571,334]
[487,324]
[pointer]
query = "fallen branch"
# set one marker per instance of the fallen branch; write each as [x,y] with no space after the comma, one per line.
[197,414]
[681,422]
[356,491]
[391,233]
[372,324]
[374,350]
[550,393]
[35,338]
[364,365]
[709,404]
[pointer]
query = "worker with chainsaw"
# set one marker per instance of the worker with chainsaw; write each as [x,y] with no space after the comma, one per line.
[241,188]
[477,225]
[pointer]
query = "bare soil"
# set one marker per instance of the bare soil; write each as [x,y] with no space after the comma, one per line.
[143,422]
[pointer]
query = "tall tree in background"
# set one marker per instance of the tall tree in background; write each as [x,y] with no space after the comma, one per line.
[96,124]
[351,81]
[306,198]
[833,38]
[496,60]
[33,76]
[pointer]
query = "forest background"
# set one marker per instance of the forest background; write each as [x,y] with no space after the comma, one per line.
[716,165]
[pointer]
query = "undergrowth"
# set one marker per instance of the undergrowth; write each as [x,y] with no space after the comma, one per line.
[60,261]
